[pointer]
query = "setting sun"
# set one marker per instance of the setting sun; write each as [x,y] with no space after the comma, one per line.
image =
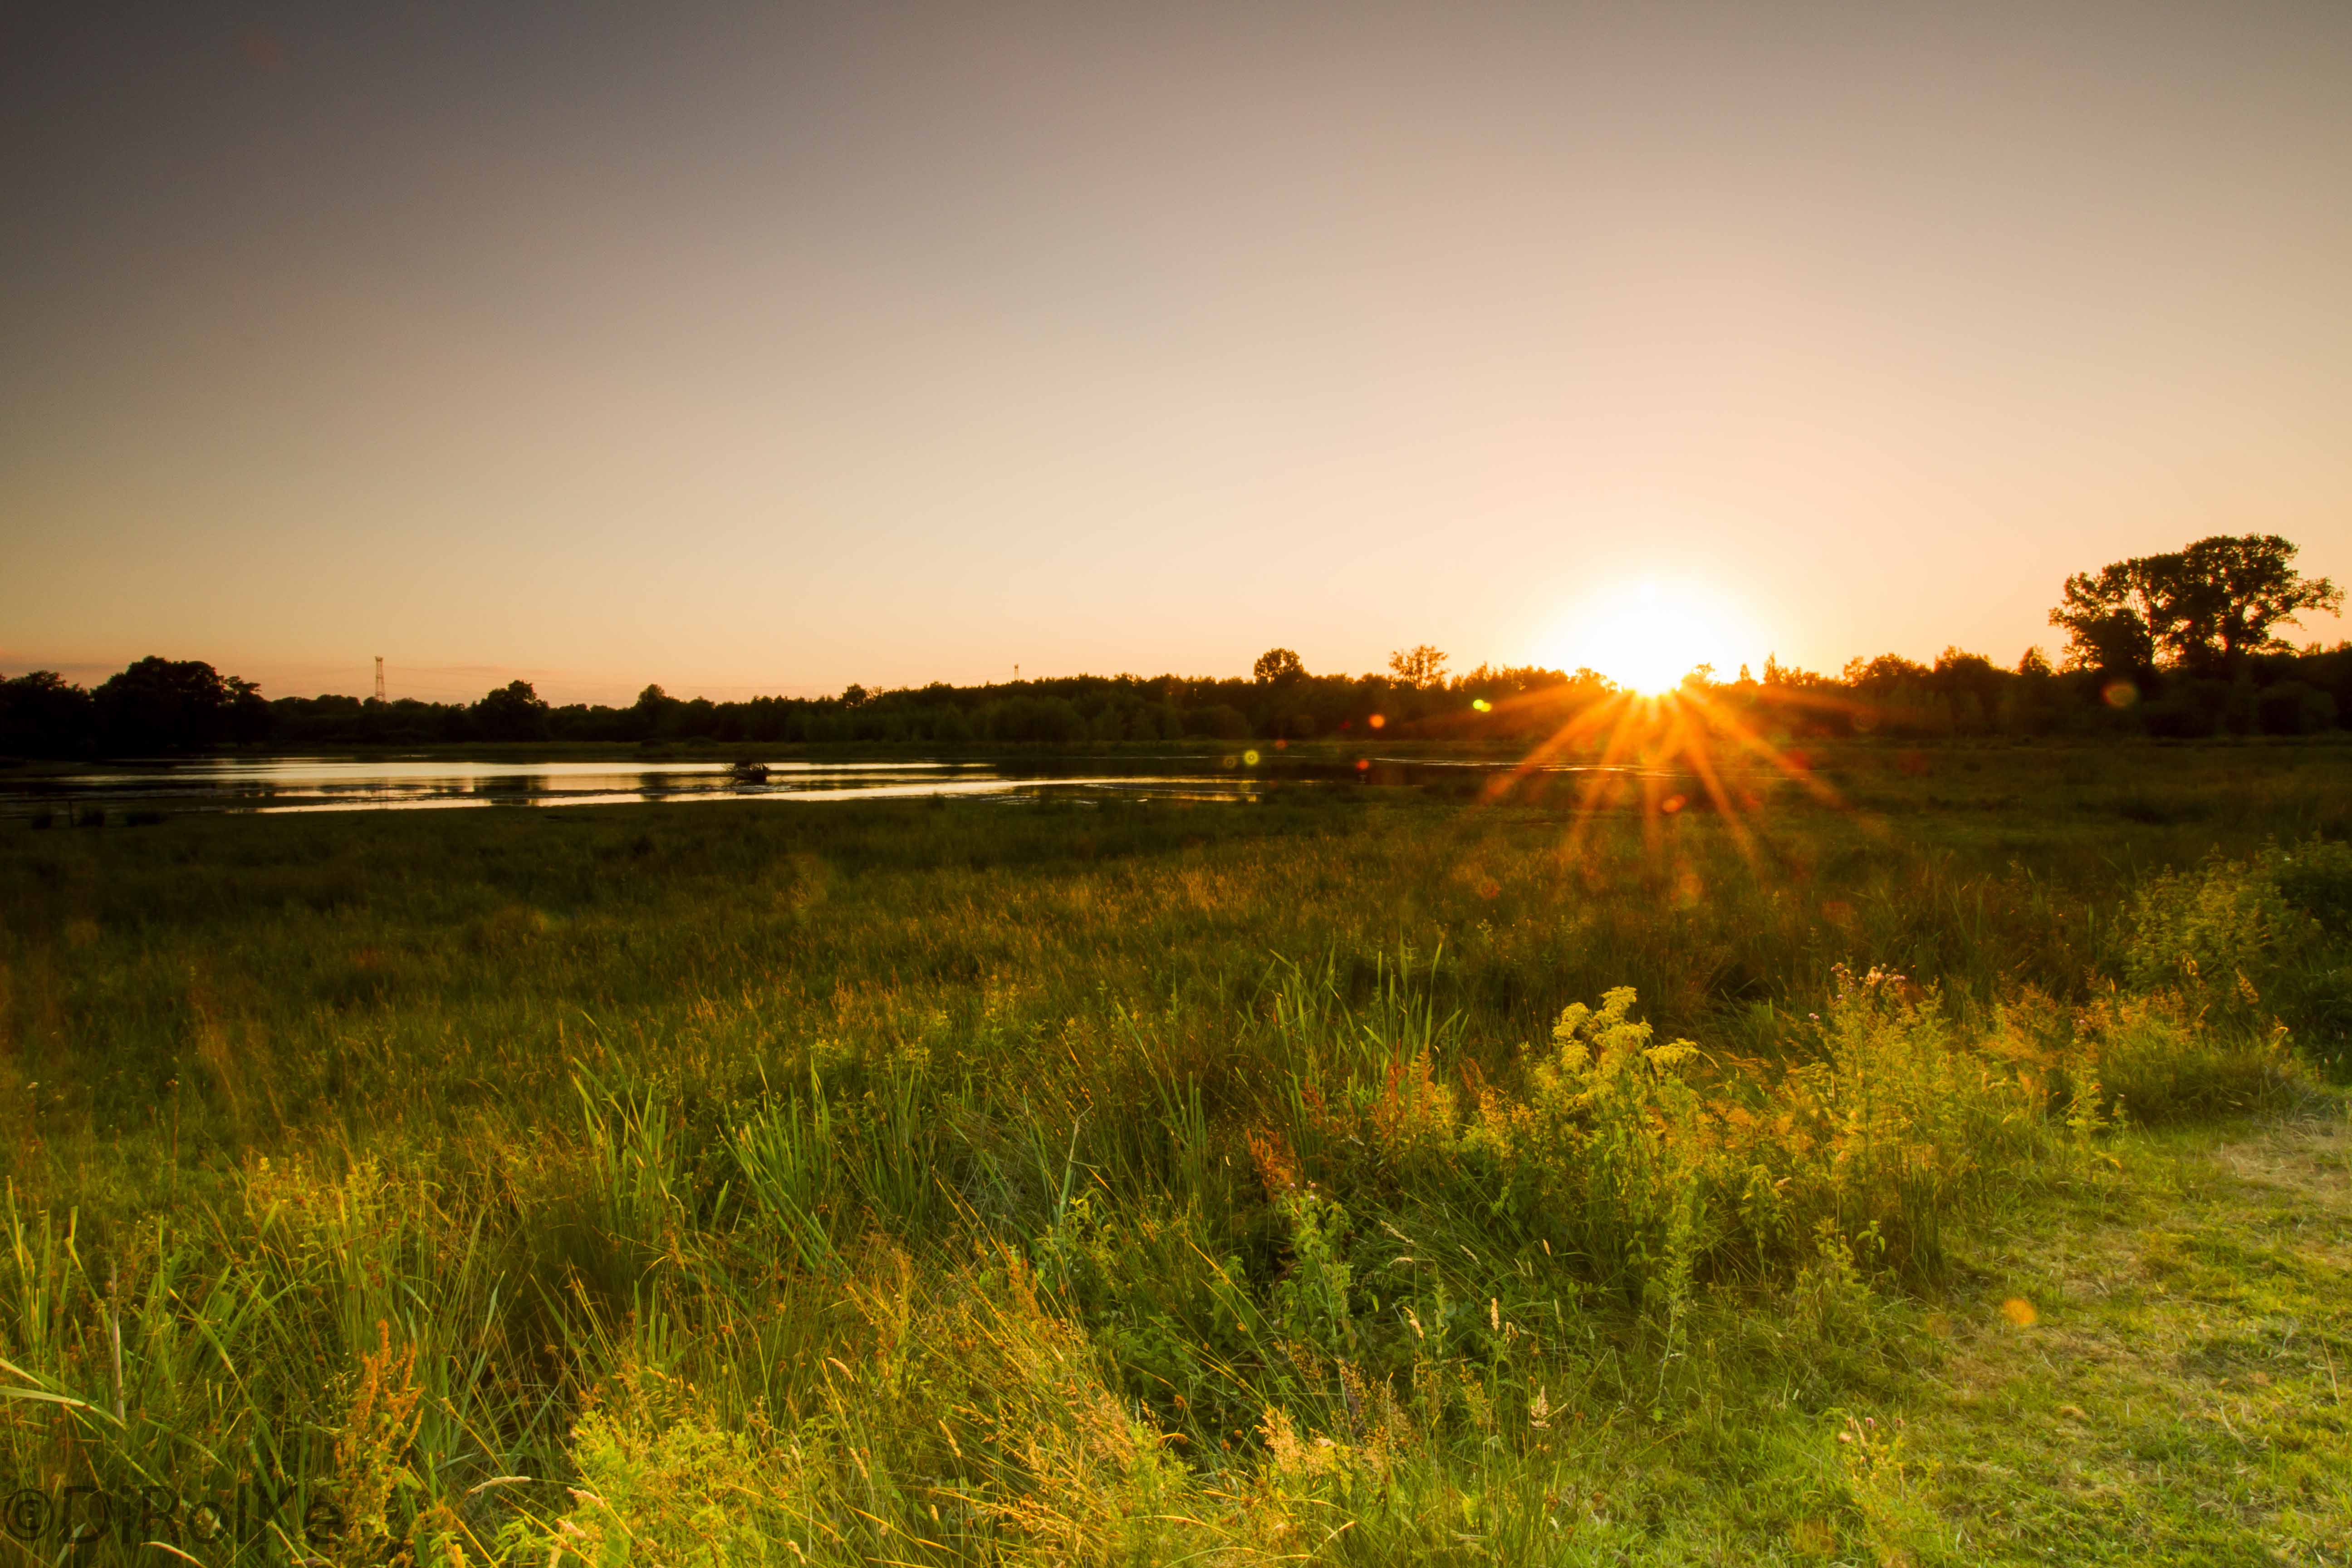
[1647,637]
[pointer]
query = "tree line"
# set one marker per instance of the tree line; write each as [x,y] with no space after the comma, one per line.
[2181,645]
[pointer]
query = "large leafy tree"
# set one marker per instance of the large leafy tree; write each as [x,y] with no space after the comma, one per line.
[44,715]
[2204,608]
[2111,618]
[513,712]
[652,713]
[2231,591]
[161,705]
[1277,665]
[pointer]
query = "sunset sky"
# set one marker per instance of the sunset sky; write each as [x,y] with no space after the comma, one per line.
[767,348]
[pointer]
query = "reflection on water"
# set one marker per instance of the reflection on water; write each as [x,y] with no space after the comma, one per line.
[298,784]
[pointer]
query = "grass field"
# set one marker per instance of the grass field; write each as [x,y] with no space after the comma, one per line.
[942,1183]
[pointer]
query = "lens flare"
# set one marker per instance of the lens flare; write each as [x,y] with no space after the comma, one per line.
[1696,749]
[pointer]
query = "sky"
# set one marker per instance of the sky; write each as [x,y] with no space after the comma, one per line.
[767,348]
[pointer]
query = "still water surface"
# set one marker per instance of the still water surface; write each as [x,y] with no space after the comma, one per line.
[319,783]
[297,784]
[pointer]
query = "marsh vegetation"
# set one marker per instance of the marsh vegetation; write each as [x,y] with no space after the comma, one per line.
[1952,1173]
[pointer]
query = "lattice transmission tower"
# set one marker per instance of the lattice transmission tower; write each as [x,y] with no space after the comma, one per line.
[379,677]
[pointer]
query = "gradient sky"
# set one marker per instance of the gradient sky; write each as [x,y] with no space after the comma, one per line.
[774,347]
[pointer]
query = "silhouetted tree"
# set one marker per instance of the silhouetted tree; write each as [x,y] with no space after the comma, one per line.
[1880,676]
[1419,666]
[1893,691]
[1969,685]
[2116,642]
[2031,702]
[650,715]
[157,706]
[513,712]
[1035,719]
[43,714]
[2113,618]
[2231,591]
[160,705]
[2204,608]
[1278,666]
[1792,678]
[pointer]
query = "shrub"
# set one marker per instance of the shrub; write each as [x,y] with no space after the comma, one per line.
[2247,942]
[2157,1063]
[1609,1150]
[2317,878]
[1644,1166]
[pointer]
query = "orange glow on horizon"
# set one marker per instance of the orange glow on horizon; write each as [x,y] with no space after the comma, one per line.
[1649,635]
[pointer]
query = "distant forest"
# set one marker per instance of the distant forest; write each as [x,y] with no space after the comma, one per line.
[2182,645]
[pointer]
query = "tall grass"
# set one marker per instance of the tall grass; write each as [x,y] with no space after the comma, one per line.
[1371,1184]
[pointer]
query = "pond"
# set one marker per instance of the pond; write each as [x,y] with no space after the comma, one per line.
[319,783]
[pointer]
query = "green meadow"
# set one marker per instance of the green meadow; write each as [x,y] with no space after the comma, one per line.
[1939,1160]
